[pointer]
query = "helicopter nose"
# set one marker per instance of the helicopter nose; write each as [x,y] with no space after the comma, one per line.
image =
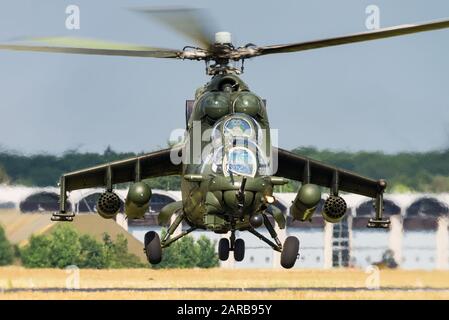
[223,37]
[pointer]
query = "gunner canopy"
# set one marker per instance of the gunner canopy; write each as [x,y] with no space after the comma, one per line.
[238,147]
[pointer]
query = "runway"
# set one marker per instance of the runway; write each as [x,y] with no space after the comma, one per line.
[221,284]
[224,289]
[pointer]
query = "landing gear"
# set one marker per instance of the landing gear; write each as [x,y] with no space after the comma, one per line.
[236,245]
[239,250]
[154,245]
[153,248]
[223,249]
[289,252]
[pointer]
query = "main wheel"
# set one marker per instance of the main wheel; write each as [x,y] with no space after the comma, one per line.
[223,249]
[153,249]
[239,249]
[289,252]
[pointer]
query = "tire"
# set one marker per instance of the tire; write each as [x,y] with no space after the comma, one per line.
[289,252]
[153,249]
[239,250]
[223,249]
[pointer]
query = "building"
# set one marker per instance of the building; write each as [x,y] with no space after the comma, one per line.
[418,237]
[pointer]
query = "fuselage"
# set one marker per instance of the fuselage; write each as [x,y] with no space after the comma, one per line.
[227,144]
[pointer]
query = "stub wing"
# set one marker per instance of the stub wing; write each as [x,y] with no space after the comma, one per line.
[309,171]
[154,164]
[293,166]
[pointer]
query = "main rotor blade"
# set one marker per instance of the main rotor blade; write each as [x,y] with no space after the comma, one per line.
[190,22]
[358,37]
[92,47]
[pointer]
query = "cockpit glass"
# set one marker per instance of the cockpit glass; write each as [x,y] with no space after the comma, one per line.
[237,147]
[241,161]
[238,127]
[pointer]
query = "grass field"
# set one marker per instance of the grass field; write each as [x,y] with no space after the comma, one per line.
[307,284]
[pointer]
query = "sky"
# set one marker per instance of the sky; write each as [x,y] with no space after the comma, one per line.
[387,95]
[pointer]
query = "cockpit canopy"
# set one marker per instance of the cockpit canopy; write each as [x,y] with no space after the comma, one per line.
[239,146]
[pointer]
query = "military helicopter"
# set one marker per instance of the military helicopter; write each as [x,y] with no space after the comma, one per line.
[228,177]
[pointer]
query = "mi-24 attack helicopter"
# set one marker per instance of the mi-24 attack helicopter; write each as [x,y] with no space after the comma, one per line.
[228,180]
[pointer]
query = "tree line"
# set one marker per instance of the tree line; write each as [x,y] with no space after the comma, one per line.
[64,246]
[405,171]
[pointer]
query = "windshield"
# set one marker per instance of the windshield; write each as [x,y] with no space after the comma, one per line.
[241,161]
[237,147]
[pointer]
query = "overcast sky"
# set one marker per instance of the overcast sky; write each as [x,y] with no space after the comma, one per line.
[389,95]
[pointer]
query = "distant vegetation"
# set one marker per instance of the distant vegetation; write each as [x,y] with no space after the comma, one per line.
[64,246]
[6,249]
[188,253]
[406,171]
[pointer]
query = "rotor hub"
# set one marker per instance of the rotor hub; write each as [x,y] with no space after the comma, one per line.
[223,37]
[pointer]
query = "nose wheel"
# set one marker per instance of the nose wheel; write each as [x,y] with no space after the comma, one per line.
[236,245]
[223,249]
[239,250]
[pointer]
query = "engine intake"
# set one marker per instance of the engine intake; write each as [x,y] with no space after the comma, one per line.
[108,205]
[334,209]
